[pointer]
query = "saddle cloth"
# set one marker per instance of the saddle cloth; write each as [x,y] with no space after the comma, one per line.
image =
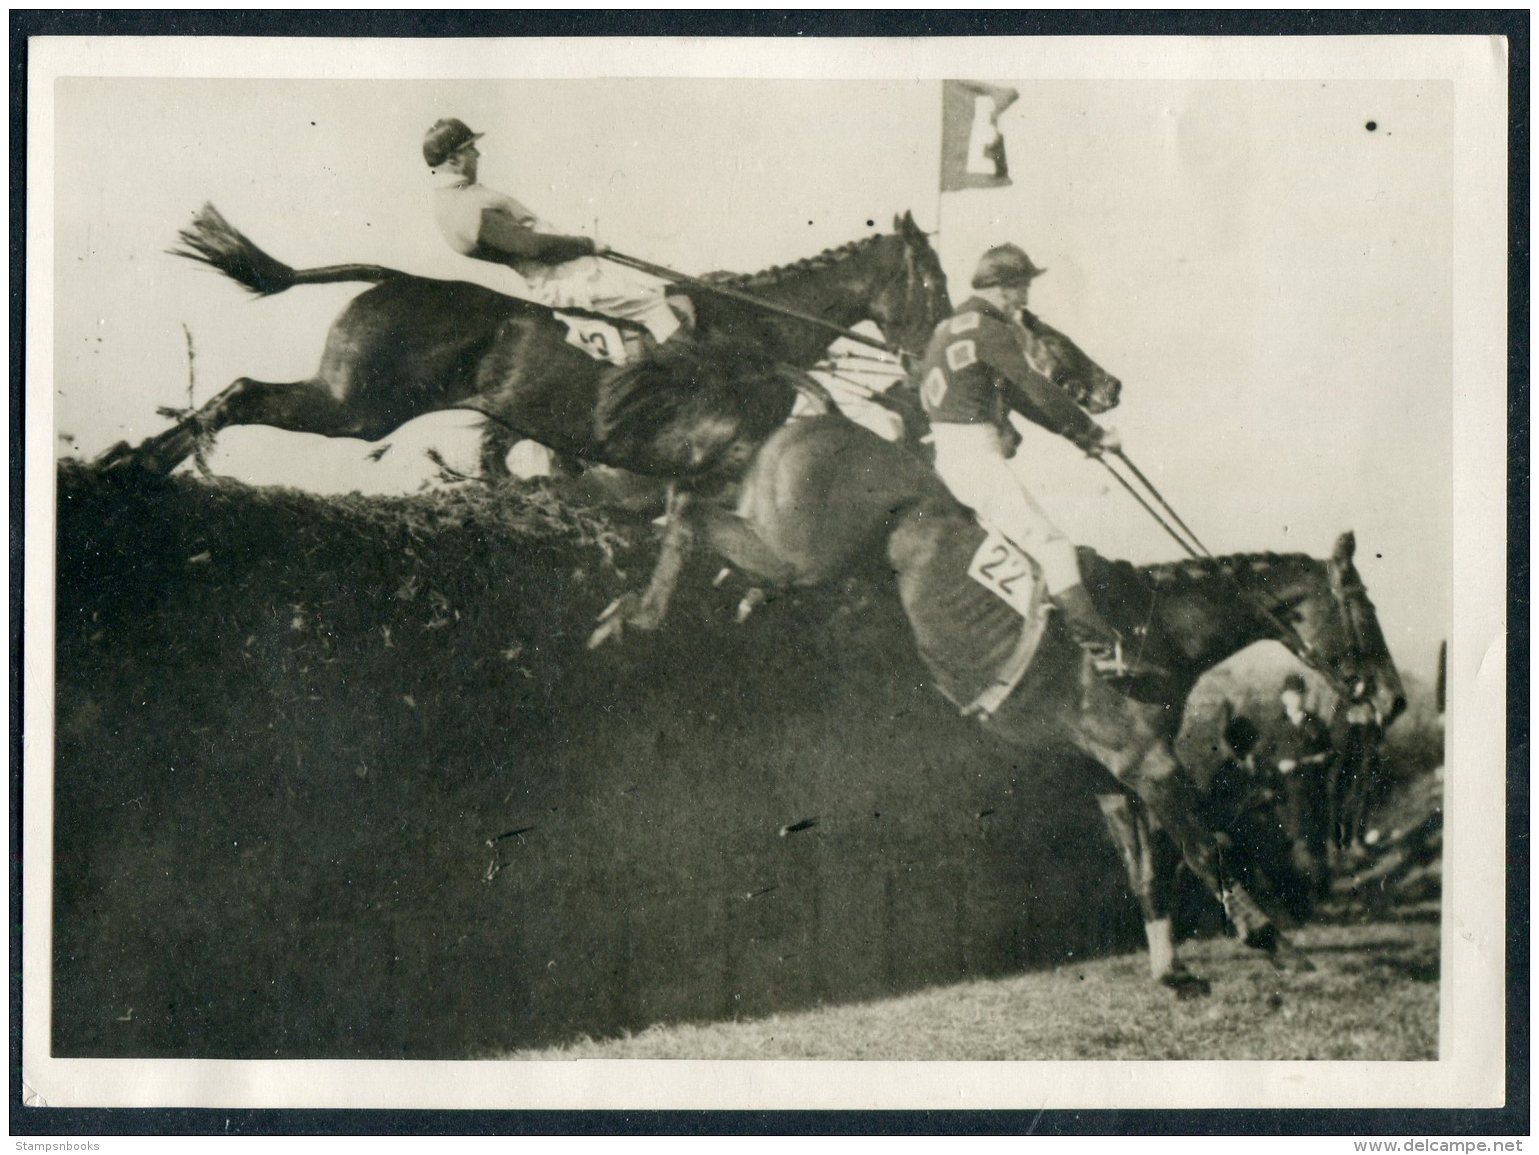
[978,609]
[602,338]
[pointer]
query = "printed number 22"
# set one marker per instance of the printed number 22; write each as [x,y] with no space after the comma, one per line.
[998,557]
[597,344]
[1001,568]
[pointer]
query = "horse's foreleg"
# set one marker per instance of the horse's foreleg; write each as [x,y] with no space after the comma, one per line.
[497,441]
[736,540]
[1151,868]
[297,406]
[646,611]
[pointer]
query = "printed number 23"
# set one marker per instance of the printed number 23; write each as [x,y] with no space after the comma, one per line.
[596,342]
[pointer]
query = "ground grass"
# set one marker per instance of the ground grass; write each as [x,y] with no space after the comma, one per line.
[1373,996]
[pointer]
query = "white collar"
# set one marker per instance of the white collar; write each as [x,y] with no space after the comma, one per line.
[443,178]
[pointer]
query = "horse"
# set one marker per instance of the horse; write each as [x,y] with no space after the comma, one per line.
[1050,353]
[824,498]
[414,345]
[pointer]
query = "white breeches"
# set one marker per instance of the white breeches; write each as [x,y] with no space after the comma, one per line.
[602,287]
[972,463]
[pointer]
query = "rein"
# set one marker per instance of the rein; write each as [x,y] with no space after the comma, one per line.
[749,299]
[1194,548]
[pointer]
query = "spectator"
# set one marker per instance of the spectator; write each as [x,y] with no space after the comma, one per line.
[1300,750]
[1243,805]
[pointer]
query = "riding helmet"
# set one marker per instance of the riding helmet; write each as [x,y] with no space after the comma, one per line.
[446,138]
[1005,265]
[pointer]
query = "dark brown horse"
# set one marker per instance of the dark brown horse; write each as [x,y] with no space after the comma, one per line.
[825,498]
[414,345]
[1051,353]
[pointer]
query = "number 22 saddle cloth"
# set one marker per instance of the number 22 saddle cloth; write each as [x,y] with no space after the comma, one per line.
[978,609]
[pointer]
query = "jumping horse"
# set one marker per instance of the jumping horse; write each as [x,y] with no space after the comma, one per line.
[413,345]
[824,498]
[1049,352]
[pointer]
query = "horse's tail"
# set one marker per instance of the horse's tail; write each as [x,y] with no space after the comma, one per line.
[212,240]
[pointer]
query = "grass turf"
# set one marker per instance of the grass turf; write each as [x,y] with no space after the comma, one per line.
[1372,996]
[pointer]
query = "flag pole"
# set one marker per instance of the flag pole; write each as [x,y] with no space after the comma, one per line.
[940,162]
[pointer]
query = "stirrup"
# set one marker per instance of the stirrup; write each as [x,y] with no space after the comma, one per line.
[1109,661]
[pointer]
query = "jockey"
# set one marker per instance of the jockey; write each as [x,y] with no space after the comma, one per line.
[974,373]
[562,271]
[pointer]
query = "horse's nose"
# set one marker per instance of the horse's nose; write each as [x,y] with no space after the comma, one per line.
[1113,389]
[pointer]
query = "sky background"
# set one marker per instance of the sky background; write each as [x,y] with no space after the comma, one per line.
[1271,279]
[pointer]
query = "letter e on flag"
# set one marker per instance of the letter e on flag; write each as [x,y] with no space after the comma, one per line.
[972,149]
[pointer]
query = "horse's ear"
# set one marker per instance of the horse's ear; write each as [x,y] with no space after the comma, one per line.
[1346,546]
[905,224]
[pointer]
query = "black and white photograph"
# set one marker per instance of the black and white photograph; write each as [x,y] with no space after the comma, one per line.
[909,573]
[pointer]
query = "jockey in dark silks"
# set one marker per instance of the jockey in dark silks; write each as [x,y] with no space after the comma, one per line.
[975,373]
[557,270]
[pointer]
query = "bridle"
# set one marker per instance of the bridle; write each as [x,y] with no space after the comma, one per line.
[913,278]
[1349,596]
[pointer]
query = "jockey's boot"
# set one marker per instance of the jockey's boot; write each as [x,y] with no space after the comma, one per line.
[1108,656]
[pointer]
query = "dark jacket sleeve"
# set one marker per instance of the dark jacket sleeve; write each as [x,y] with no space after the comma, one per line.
[502,233]
[1033,395]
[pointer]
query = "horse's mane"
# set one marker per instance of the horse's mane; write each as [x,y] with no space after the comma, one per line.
[1200,571]
[775,274]
[1169,576]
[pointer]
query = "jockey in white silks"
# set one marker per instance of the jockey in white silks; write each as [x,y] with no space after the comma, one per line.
[561,271]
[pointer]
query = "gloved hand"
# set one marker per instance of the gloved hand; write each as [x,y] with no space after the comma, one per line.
[1103,440]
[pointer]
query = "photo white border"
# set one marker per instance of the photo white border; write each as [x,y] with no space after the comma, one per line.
[1470,1070]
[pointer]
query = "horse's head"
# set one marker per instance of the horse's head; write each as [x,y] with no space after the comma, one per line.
[911,297]
[1337,621]
[1068,366]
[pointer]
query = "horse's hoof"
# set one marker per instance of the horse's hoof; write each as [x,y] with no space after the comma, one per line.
[1186,986]
[1287,957]
[1279,950]
[623,611]
[752,600]
[120,457]
[611,628]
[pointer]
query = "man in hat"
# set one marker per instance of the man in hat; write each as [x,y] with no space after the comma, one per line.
[974,374]
[1301,750]
[561,271]
[1243,804]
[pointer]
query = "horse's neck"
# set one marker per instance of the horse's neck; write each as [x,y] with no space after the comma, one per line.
[1214,609]
[839,287]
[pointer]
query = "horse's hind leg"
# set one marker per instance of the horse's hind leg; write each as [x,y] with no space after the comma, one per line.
[1151,861]
[1152,771]
[297,406]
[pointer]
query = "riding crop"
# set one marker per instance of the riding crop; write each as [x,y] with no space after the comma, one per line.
[1195,549]
[687,281]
